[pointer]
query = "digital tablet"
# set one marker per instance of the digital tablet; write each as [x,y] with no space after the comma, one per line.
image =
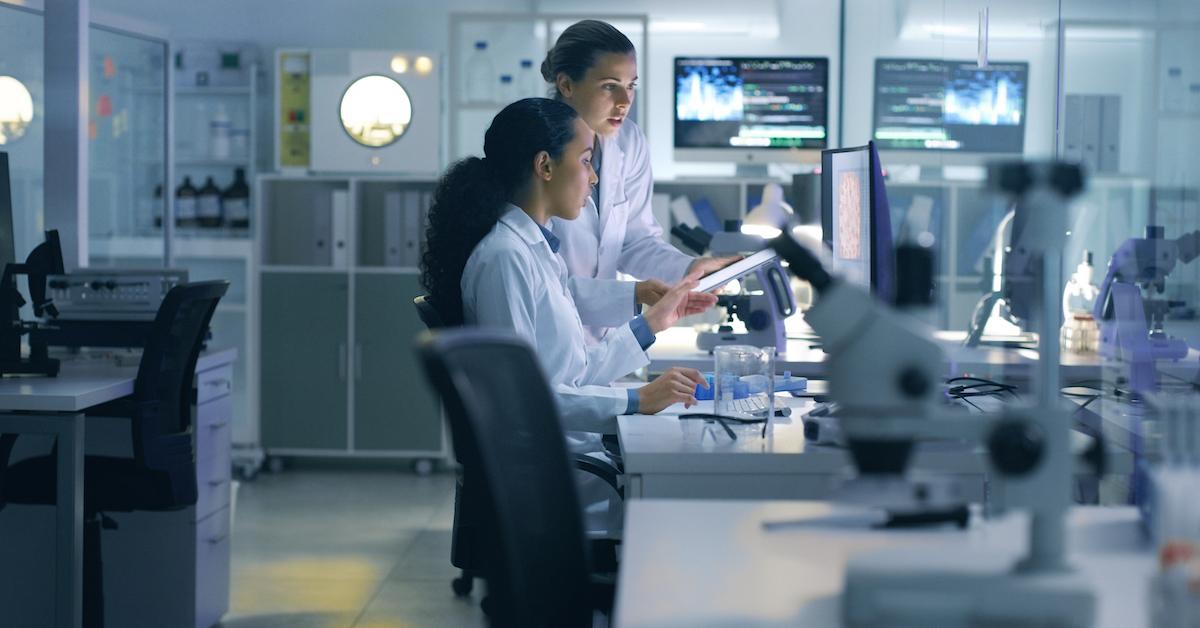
[721,277]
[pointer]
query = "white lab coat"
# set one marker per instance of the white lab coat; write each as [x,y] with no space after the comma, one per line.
[623,236]
[514,281]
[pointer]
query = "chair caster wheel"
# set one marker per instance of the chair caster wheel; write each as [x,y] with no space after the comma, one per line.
[462,585]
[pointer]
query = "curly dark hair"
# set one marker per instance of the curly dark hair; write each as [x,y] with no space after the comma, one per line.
[472,194]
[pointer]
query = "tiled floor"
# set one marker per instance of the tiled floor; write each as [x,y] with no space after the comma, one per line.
[322,548]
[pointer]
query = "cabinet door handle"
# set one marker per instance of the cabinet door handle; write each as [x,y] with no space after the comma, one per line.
[218,425]
[357,360]
[220,383]
[342,361]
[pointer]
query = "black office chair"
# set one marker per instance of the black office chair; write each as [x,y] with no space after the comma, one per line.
[465,550]
[161,475]
[496,396]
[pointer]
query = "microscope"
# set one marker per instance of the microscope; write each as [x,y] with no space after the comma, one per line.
[761,305]
[884,371]
[1131,327]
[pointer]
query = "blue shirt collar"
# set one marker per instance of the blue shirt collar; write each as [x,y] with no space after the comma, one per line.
[551,239]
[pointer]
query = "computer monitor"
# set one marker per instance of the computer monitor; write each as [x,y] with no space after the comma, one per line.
[938,106]
[751,109]
[8,253]
[856,222]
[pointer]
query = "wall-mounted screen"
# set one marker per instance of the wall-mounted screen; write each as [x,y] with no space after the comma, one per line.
[937,104]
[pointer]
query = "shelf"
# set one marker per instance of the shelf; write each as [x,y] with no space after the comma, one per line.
[387,270]
[215,90]
[213,163]
[150,246]
[287,270]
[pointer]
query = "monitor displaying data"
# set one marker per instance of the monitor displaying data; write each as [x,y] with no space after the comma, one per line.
[755,103]
[848,175]
[937,104]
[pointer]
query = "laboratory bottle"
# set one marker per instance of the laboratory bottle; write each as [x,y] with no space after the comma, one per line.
[218,134]
[507,92]
[185,204]
[236,201]
[1080,332]
[208,205]
[480,76]
[529,82]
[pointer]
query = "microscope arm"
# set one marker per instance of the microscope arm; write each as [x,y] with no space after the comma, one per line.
[1188,245]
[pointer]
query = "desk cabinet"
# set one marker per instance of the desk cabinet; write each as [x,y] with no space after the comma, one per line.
[160,568]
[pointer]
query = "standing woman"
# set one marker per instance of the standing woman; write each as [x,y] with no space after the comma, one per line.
[593,67]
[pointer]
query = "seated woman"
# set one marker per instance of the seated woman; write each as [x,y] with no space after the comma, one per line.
[491,261]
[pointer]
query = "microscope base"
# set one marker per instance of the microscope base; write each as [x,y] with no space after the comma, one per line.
[934,585]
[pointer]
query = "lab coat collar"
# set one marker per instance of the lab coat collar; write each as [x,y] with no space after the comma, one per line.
[611,167]
[516,219]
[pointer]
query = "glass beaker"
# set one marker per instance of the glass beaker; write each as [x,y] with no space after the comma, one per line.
[744,381]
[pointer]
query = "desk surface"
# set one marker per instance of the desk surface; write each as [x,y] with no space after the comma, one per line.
[677,347]
[666,444]
[82,383]
[711,563]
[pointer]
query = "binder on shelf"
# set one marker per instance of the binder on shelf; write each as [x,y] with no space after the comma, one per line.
[322,234]
[339,210]
[393,228]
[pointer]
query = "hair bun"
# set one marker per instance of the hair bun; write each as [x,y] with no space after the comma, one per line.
[546,69]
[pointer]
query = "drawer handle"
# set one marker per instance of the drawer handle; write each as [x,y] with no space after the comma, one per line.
[223,384]
[216,482]
[217,539]
[218,425]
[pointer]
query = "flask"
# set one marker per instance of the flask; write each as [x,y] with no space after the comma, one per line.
[236,201]
[185,204]
[480,75]
[208,205]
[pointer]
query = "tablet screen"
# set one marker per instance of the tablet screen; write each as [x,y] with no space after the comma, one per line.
[737,269]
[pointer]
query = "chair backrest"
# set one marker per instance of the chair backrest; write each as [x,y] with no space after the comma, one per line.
[428,313]
[504,423]
[163,392]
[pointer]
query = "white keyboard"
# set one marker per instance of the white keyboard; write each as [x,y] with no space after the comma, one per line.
[750,405]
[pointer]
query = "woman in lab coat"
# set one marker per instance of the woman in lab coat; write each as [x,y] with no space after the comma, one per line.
[593,68]
[491,261]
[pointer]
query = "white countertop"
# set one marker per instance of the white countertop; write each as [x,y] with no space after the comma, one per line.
[711,563]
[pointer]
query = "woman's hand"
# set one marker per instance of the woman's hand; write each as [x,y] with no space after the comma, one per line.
[648,292]
[678,302]
[676,385]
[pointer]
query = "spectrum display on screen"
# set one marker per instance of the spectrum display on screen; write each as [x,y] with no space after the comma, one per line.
[937,104]
[743,102]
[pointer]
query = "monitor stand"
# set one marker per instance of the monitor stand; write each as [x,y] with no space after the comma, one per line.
[752,171]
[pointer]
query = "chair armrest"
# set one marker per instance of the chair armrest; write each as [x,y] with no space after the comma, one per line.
[600,469]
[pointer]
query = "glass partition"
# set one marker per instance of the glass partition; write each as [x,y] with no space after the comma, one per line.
[22,121]
[127,147]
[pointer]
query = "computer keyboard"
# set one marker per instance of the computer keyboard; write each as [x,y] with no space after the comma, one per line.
[750,405]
